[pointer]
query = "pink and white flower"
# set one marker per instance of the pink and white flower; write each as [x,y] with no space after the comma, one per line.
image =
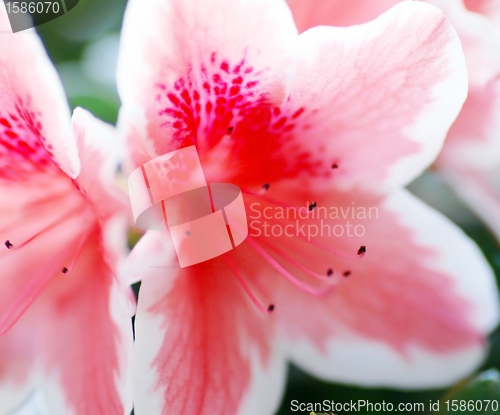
[335,117]
[470,160]
[65,333]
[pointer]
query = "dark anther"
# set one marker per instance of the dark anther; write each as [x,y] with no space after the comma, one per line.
[64,270]
[361,250]
[8,244]
[188,233]
[312,205]
[265,186]
[230,130]
[347,273]
[334,166]
[270,308]
[329,273]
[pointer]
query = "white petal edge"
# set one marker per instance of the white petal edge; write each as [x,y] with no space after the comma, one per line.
[369,363]
[480,38]
[433,123]
[355,359]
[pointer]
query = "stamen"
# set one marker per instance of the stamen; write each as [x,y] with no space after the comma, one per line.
[334,166]
[273,201]
[347,273]
[81,245]
[29,294]
[10,246]
[332,250]
[230,130]
[265,186]
[33,208]
[312,205]
[299,265]
[362,250]
[299,284]
[240,279]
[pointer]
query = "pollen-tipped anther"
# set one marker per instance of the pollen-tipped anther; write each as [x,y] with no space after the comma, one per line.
[246,288]
[64,270]
[329,272]
[347,273]
[362,250]
[312,205]
[8,244]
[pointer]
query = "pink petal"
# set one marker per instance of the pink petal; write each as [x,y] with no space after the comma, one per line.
[202,347]
[50,218]
[311,13]
[187,68]
[100,150]
[418,304]
[474,139]
[480,190]
[53,216]
[490,8]
[148,257]
[380,108]
[17,366]
[477,34]
[34,116]
[480,40]
[85,340]
[365,99]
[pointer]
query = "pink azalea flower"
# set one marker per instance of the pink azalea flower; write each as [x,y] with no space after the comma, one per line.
[335,118]
[470,161]
[69,335]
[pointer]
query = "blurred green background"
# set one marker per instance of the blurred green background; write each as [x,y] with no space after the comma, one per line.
[84,43]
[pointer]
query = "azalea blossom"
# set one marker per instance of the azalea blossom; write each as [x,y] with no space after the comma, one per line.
[470,160]
[317,130]
[63,315]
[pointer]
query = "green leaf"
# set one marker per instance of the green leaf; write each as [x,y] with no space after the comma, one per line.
[481,395]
